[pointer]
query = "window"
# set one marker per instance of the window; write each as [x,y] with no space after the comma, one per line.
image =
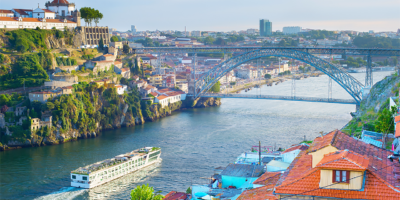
[84,178]
[73,176]
[340,176]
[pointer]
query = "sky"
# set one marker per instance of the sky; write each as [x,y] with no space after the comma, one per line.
[228,15]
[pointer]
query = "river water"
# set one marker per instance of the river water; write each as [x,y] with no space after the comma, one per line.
[193,143]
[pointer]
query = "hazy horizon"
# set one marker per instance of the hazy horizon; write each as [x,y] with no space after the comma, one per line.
[224,15]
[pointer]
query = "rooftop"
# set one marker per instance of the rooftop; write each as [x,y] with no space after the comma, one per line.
[344,159]
[240,170]
[174,195]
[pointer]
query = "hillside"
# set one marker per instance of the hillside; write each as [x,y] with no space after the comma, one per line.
[371,106]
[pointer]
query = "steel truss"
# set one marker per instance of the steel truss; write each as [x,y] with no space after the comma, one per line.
[336,72]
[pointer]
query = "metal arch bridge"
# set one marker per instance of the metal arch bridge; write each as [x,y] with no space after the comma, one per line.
[336,72]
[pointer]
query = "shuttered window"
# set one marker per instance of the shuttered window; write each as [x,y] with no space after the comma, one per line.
[340,176]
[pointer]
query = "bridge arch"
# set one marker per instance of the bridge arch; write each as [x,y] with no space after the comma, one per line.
[337,73]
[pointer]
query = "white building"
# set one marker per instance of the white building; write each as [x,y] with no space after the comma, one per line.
[121,89]
[6,13]
[61,7]
[247,73]
[196,33]
[32,23]
[167,96]
[291,30]
[133,29]
[43,13]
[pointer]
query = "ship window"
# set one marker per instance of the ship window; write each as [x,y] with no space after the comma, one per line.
[84,178]
[73,176]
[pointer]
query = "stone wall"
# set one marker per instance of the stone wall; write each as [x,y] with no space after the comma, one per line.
[92,35]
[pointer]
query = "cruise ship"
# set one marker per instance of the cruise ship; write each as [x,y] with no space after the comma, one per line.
[107,170]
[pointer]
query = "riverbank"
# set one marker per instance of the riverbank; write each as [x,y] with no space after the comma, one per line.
[125,121]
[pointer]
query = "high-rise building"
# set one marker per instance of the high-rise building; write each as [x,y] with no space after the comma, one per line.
[291,30]
[265,27]
[133,29]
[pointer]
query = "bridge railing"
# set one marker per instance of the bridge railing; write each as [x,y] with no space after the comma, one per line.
[279,97]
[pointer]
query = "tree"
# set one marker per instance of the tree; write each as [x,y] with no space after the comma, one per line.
[267,76]
[208,40]
[216,87]
[145,192]
[125,48]
[385,123]
[114,39]
[101,44]
[90,14]
[220,41]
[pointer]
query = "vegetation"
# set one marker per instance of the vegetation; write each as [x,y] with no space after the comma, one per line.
[24,40]
[288,42]
[284,73]
[145,192]
[114,39]
[351,62]
[28,69]
[125,48]
[267,76]
[216,87]
[317,34]
[376,42]
[90,14]
[66,61]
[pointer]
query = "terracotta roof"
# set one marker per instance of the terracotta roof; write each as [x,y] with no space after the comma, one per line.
[31,19]
[117,62]
[125,69]
[107,55]
[60,1]
[301,178]
[397,118]
[68,87]
[375,188]
[173,195]
[260,193]
[344,159]
[22,11]
[155,94]
[6,11]
[8,18]
[162,97]
[103,61]
[302,147]
[268,178]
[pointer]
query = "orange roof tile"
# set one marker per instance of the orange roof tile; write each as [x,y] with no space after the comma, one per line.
[321,142]
[154,94]
[260,193]
[8,19]
[268,178]
[346,160]
[397,134]
[162,97]
[117,62]
[308,185]
[397,118]
[300,146]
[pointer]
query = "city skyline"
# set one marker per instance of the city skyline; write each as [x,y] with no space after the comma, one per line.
[239,15]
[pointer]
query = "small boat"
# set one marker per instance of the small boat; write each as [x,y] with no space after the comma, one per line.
[276,83]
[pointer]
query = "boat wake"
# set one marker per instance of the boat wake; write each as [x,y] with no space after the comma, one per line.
[64,193]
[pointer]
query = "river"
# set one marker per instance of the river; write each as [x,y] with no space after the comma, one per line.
[193,142]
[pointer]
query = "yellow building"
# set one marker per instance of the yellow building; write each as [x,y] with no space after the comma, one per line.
[155,80]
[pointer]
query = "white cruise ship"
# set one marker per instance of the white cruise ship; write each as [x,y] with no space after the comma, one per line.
[107,170]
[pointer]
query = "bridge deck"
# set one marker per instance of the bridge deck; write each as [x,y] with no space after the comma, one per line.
[275,97]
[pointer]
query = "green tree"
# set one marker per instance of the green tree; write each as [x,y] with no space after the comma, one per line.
[267,76]
[189,191]
[220,41]
[209,40]
[101,44]
[114,39]
[385,122]
[216,87]
[125,48]
[147,42]
[145,192]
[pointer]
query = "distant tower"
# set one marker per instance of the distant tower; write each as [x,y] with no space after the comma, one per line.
[133,29]
[265,27]
[77,17]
